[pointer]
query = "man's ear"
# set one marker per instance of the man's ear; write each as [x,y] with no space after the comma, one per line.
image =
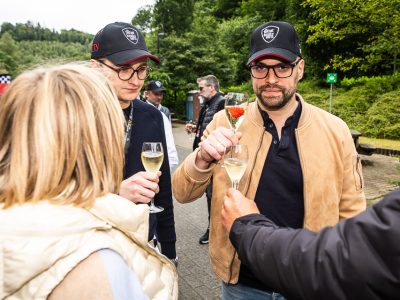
[300,69]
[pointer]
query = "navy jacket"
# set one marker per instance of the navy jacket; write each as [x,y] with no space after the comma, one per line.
[359,258]
[148,126]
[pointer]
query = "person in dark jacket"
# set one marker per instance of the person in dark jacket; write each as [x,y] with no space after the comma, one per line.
[213,102]
[119,50]
[359,258]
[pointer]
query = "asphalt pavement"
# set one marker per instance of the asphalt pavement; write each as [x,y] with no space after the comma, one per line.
[196,278]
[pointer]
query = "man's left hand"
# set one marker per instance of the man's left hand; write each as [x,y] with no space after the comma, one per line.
[236,205]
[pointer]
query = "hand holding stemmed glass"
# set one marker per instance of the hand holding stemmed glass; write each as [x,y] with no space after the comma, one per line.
[214,147]
[152,157]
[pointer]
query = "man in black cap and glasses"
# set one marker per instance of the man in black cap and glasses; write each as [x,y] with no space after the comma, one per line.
[303,169]
[119,49]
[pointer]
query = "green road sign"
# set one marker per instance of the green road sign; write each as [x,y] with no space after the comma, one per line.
[331,78]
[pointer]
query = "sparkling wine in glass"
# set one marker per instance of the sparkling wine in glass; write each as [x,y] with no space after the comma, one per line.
[190,127]
[235,108]
[152,158]
[235,163]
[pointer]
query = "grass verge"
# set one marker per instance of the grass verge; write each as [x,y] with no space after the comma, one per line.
[381,143]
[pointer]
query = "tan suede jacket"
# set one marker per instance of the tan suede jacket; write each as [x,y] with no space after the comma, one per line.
[332,174]
[41,242]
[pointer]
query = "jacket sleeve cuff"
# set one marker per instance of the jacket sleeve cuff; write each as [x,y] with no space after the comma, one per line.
[239,226]
[194,172]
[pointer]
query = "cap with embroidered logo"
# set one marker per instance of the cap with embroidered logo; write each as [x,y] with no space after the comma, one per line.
[276,39]
[121,43]
[154,86]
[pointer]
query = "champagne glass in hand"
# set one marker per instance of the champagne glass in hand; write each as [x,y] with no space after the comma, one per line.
[152,158]
[235,163]
[235,108]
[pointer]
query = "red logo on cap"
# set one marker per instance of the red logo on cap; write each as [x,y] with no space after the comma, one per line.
[95,47]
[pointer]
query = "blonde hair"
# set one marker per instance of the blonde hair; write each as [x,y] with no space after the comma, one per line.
[61,137]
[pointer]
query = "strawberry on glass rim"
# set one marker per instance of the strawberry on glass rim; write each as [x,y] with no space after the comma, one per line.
[236,112]
[235,108]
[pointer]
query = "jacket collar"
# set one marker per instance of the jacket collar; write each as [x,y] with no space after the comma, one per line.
[256,117]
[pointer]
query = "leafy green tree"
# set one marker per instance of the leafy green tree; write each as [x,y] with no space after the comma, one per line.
[355,37]
[144,18]
[267,10]
[34,32]
[173,15]
[9,54]
[225,9]
[234,35]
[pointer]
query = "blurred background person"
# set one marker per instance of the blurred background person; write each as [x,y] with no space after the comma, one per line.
[65,233]
[213,102]
[153,94]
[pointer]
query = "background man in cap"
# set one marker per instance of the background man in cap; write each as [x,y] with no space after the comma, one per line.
[303,168]
[153,94]
[120,51]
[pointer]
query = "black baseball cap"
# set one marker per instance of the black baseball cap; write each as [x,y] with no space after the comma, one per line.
[121,43]
[154,86]
[276,39]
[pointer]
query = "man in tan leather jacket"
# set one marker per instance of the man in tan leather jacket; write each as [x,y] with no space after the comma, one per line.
[303,169]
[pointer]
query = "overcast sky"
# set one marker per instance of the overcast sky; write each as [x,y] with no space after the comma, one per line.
[85,15]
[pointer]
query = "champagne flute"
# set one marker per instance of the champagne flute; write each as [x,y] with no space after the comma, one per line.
[235,163]
[190,126]
[152,157]
[235,108]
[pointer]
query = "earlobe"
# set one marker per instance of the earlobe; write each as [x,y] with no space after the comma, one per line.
[301,70]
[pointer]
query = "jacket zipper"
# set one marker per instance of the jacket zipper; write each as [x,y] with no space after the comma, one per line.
[299,153]
[358,170]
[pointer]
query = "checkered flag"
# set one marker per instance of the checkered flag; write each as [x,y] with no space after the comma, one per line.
[5,80]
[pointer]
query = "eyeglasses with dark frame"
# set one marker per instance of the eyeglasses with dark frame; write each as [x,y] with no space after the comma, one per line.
[202,87]
[281,70]
[126,73]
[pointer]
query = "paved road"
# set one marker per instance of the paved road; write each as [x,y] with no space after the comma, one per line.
[196,279]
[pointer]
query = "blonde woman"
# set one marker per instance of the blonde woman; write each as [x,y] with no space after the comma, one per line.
[64,234]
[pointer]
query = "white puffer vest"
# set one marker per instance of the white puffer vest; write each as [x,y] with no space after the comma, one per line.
[40,243]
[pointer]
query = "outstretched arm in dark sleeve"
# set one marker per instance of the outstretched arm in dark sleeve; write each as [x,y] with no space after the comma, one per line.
[357,259]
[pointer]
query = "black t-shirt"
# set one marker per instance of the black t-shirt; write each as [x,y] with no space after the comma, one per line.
[279,195]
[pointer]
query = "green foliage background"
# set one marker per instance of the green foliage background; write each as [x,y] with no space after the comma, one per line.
[358,39]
